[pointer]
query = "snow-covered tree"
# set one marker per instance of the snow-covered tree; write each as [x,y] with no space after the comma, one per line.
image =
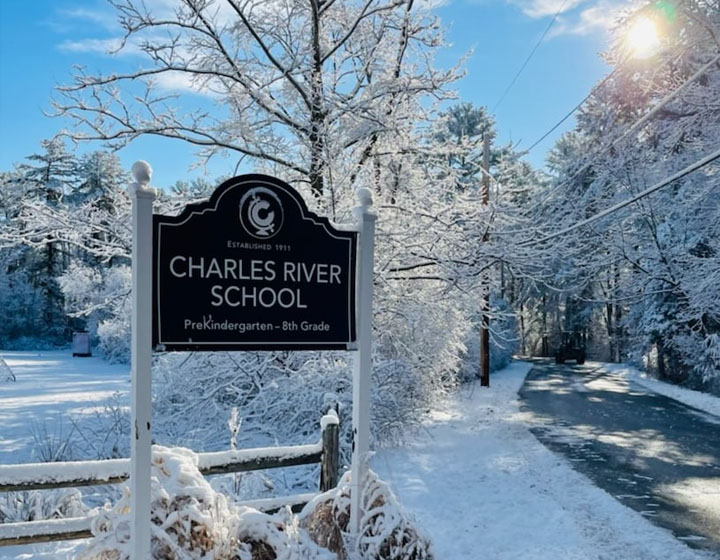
[636,274]
[100,177]
[306,88]
[29,270]
[331,96]
[52,173]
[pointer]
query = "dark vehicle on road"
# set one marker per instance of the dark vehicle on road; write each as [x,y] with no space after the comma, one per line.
[572,347]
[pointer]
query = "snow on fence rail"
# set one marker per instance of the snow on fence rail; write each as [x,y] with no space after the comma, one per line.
[70,474]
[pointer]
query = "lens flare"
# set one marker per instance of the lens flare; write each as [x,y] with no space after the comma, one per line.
[642,38]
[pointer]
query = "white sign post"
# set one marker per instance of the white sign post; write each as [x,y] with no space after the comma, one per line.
[363,360]
[142,196]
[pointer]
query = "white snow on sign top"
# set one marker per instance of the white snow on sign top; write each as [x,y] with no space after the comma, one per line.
[483,487]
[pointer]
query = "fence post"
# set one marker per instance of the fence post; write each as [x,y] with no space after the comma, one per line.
[331,452]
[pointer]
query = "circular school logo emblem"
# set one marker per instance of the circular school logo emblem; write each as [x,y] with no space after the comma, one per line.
[261,213]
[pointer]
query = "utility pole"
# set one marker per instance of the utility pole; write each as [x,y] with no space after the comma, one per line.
[485,301]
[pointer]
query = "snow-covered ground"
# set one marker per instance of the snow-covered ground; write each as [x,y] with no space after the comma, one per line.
[49,388]
[701,401]
[475,478]
[482,486]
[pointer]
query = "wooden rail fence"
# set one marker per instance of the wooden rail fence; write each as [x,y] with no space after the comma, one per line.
[44,476]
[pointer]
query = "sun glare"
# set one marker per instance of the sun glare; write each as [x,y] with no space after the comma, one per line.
[643,38]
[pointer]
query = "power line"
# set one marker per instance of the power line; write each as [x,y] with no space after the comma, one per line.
[635,126]
[532,52]
[665,100]
[640,122]
[568,115]
[656,187]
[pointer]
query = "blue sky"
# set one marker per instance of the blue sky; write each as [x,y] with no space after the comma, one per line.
[40,41]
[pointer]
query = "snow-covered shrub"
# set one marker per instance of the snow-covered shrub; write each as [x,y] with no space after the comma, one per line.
[113,339]
[281,397]
[6,373]
[399,394]
[104,431]
[387,532]
[192,521]
[52,444]
[36,505]
[418,349]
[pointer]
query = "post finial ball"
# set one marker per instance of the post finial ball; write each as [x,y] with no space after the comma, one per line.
[142,172]
[365,196]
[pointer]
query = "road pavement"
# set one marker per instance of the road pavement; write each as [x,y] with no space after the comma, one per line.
[654,454]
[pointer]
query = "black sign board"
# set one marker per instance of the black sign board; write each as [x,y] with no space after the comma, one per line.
[252,269]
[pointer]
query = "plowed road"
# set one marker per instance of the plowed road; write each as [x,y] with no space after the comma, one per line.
[654,454]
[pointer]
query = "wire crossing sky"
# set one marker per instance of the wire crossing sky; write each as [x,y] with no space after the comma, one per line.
[707,160]
[529,56]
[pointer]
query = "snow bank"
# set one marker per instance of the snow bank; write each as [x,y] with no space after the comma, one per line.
[697,399]
[485,488]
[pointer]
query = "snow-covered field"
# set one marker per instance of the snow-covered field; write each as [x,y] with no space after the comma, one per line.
[475,478]
[483,487]
[50,388]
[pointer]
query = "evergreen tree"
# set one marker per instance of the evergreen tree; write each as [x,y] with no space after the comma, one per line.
[53,172]
[99,176]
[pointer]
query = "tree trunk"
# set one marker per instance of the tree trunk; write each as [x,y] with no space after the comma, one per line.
[317,112]
[662,374]
[610,330]
[618,334]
